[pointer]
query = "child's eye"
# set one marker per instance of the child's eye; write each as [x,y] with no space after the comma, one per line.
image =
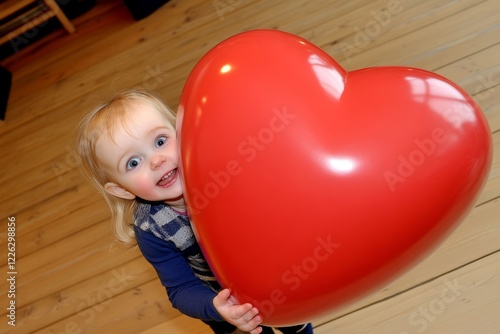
[133,163]
[160,141]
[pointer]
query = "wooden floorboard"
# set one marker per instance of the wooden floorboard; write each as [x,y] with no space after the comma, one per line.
[73,278]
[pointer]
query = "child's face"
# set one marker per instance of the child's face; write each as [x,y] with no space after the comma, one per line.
[142,157]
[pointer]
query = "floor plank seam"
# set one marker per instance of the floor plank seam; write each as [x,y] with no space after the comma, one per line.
[409,289]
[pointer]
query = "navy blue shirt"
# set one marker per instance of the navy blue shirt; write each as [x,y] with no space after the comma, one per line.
[166,240]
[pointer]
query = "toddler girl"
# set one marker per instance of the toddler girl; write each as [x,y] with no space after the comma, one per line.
[129,153]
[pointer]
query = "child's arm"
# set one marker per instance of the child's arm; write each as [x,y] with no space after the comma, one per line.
[186,292]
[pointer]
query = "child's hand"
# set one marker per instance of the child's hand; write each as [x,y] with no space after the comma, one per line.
[245,316]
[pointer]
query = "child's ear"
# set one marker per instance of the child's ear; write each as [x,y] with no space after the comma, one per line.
[118,191]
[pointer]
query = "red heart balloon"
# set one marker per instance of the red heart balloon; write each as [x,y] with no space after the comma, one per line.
[309,186]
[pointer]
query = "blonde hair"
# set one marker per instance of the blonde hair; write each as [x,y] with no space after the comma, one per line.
[102,120]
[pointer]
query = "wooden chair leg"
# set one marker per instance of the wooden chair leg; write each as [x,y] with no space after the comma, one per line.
[54,7]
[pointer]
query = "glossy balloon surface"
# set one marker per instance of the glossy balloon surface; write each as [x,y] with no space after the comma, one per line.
[309,186]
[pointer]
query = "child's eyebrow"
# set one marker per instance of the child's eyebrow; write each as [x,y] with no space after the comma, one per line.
[162,127]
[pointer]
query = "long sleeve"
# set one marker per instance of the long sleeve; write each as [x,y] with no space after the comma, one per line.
[186,292]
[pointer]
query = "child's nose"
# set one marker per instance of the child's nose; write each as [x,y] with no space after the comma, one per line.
[157,161]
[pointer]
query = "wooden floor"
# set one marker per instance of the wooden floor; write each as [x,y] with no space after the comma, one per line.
[72,278]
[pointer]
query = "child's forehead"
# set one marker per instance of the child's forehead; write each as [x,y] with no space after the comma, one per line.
[131,118]
[139,113]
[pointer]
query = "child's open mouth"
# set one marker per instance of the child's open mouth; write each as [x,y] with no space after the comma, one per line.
[168,178]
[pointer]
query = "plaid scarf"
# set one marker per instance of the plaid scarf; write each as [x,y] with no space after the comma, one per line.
[171,226]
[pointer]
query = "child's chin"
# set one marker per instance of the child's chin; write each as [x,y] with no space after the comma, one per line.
[174,194]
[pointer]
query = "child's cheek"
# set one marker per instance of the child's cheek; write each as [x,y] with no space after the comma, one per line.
[144,186]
